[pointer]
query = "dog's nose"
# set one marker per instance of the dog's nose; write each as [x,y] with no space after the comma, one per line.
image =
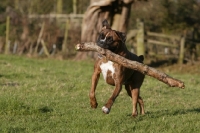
[102,40]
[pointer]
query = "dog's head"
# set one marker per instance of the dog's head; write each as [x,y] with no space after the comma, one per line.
[110,39]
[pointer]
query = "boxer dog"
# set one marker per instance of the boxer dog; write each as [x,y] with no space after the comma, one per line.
[115,74]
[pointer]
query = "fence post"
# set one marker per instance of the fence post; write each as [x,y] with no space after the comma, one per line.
[59,10]
[16,4]
[64,45]
[7,45]
[75,6]
[59,6]
[181,54]
[15,47]
[140,37]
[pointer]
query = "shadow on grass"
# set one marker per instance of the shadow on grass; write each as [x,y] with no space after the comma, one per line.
[174,112]
[17,75]
[162,63]
[162,113]
[45,109]
[9,84]
[16,130]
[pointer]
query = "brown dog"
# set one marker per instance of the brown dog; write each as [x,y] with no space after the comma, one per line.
[115,74]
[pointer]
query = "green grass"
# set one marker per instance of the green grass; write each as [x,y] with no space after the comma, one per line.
[48,95]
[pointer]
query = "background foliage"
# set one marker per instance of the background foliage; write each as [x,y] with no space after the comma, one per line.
[178,14]
[167,16]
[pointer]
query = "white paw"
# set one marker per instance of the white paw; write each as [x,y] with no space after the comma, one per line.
[105,110]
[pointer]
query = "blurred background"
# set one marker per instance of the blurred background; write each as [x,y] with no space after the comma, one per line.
[159,29]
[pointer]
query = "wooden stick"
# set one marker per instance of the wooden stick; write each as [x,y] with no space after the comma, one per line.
[45,48]
[91,46]
[39,37]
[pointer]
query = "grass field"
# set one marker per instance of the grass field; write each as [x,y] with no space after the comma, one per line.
[48,95]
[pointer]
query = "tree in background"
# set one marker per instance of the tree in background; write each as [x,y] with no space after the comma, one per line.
[180,13]
[117,12]
[167,15]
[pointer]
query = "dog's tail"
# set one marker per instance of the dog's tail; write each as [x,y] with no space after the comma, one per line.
[141,57]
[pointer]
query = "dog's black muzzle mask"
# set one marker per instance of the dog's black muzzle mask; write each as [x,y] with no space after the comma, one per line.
[105,41]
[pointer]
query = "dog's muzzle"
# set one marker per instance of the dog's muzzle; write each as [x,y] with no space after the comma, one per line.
[102,45]
[104,42]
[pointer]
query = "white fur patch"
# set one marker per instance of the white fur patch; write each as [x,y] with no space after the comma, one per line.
[105,67]
[105,110]
[103,40]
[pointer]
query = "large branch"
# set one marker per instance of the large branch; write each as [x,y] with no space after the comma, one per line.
[91,46]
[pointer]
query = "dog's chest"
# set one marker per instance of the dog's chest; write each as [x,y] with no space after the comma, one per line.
[107,70]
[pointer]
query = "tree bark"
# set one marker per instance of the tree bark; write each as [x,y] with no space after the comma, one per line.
[91,46]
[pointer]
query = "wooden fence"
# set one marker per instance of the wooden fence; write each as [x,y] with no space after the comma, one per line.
[157,45]
[173,49]
[61,18]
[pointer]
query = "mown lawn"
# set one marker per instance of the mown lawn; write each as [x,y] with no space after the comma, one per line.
[48,95]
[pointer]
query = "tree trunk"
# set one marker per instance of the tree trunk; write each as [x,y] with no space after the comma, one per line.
[117,12]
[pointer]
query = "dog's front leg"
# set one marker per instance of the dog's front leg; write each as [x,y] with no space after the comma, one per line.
[106,109]
[95,79]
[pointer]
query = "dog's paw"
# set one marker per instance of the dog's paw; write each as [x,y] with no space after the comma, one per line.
[105,110]
[134,114]
[94,105]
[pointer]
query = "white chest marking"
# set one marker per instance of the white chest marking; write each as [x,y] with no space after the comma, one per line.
[105,67]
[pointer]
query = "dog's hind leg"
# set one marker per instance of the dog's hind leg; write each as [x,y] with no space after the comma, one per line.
[135,94]
[128,89]
[139,100]
[141,104]
[137,80]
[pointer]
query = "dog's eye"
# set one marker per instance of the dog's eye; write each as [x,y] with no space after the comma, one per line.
[109,39]
[102,36]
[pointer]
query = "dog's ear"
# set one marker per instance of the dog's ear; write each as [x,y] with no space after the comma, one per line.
[141,57]
[105,24]
[122,36]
